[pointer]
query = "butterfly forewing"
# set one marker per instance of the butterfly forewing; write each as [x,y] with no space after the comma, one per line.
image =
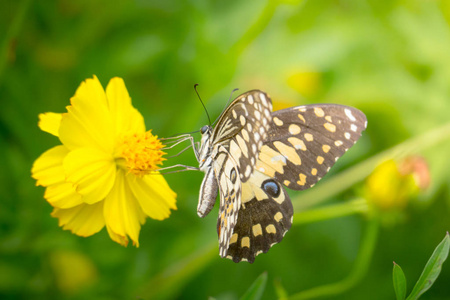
[243,127]
[264,218]
[304,142]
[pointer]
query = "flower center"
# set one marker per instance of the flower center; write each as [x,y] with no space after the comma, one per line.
[140,153]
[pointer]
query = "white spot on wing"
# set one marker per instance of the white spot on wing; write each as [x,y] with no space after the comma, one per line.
[349,114]
[262,130]
[248,171]
[263,98]
[279,158]
[242,119]
[256,136]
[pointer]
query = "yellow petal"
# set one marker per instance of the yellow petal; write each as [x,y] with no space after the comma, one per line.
[88,122]
[125,117]
[63,195]
[83,220]
[49,122]
[48,168]
[123,215]
[153,194]
[123,240]
[91,89]
[92,171]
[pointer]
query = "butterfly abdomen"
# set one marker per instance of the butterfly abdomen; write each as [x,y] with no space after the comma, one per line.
[208,193]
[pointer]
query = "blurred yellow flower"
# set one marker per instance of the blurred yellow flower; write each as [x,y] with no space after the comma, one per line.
[307,82]
[73,270]
[392,184]
[103,173]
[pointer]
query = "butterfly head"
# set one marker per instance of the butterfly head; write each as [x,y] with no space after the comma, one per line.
[205,148]
[205,129]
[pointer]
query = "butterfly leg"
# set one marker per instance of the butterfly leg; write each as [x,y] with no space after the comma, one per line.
[175,137]
[184,168]
[180,139]
[179,153]
[175,141]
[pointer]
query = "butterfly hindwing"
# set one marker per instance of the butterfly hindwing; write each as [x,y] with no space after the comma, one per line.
[264,218]
[229,184]
[304,142]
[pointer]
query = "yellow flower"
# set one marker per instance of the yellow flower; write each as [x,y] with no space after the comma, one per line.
[392,184]
[103,173]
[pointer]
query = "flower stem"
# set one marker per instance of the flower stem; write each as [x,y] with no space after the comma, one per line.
[358,205]
[360,268]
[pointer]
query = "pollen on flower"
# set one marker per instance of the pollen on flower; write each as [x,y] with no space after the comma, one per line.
[141,153]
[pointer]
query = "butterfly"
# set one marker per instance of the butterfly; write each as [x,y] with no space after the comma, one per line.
[253,153]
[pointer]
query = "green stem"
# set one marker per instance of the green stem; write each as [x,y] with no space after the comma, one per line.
[338,210]
[360,268]
[349,177]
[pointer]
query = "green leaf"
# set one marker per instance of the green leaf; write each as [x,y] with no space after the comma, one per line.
[279,290]
[399,282]
[432,269]
[257,288]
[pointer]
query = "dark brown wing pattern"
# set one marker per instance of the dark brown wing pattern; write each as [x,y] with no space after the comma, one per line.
[304,142]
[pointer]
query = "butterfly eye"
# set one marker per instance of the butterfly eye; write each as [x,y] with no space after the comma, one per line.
[271,188]
[204,129]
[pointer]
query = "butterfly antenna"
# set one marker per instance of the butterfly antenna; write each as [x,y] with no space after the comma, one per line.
[195,88]
[228,102]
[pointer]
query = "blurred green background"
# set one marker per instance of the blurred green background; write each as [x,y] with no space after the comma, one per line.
[390,59]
